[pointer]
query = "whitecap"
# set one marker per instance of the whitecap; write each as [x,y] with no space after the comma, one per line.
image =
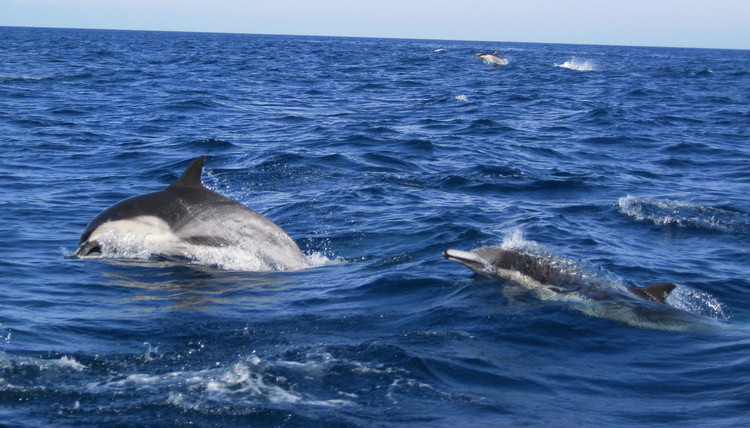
[70,363]
[65,362]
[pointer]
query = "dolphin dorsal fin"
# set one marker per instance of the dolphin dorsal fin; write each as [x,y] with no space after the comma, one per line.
[192,175]
[655,292]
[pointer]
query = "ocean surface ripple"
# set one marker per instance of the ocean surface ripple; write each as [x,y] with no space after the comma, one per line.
[376,155]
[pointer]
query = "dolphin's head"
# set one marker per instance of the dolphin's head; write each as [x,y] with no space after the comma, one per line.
[484,260]
[88,245]
[87,248]
[468,259]
[132,217]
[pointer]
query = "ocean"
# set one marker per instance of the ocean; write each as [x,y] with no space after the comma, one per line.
[375,155]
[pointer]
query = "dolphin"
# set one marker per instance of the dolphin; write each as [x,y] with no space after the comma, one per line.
[186,218]
[545,276]
[492,59]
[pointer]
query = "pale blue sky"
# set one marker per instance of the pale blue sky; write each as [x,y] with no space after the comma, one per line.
[679,23]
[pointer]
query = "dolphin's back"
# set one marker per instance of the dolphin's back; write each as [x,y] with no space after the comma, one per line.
[533,267]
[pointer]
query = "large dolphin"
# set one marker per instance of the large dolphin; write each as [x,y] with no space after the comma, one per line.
[185,218]
[492,59]
[546,276]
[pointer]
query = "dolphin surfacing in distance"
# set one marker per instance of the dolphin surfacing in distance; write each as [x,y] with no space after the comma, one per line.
[539,273]
[185,219]
[492,59]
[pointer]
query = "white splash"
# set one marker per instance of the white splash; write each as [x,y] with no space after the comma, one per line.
[697,302]
[69,363]
[577,65]
[462,97]
[514,240]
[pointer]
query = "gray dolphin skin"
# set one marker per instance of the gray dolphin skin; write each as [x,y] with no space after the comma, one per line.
[492,59]
[499,263]
[187,216]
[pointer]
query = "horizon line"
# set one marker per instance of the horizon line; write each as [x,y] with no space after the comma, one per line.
[365,37]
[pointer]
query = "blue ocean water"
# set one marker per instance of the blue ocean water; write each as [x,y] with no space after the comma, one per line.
[376,155]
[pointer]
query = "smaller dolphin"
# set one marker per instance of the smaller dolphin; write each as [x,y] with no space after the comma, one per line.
[492,59]
[185,219]
[541,274]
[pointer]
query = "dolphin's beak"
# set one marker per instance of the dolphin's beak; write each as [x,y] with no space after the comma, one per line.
[471,260]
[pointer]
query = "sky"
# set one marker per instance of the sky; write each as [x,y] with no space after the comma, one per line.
[673,23]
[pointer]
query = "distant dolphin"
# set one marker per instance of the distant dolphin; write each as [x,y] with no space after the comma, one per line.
[544,275]
[492,59]
[186,217]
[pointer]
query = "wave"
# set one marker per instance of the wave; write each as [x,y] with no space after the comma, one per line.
[667,212]
[23,78]
[578,65]
[192,104]
[63,364]
[309,384]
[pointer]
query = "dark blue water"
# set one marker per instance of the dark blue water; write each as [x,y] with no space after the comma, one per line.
[375,156]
